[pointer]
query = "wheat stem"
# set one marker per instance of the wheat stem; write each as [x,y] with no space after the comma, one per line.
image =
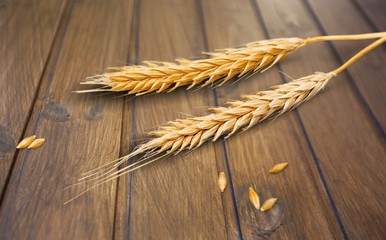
[359,55]
[346,37]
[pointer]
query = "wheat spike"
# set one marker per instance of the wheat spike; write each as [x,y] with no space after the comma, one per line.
[221,66]
[193,132]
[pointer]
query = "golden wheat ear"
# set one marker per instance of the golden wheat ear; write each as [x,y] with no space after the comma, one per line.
[220,67]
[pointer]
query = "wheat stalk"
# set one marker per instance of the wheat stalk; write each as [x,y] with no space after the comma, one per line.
[190,133]
[219,68]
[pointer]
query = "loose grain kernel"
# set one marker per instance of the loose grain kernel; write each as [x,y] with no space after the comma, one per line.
[222,181]
[268,204]
[26,142]
[254,198]
[36,143]
[278,167]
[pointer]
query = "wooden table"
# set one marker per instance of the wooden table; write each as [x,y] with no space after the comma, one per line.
[334,187]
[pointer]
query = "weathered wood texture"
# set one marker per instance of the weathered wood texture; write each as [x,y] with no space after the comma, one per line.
[81,131]
[335,144]
[174,193]
[366,76]
[27,30]
[373,11]
[345,141]
[251,154]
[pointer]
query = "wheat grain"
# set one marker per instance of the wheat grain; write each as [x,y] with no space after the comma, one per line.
[36,143]
[222,181]
[254,198]
[268,204]
[26,142]
[278,167]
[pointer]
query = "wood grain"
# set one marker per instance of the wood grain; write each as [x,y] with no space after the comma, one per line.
[81,132]
[177,197]
[367,74]
[374,10]
[346,144]
[252,154]
[27,29]
[123,199]
[335,144]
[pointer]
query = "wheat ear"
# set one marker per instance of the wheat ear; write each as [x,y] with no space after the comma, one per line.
[190,133]
[220,67]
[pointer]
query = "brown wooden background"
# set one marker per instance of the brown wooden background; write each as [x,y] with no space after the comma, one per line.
[334,187]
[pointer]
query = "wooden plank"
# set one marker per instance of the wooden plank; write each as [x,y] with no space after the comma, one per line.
[175,198]
[374,10]
[368,74]
[303,208]
[121,221]
[27,29]
[345,141]
[81,131]
[229,203]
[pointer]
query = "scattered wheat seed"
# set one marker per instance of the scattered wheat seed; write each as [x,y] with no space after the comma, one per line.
[278,167]
[26,142]
[268,204]
[222,181]
[254,198]
[36,143]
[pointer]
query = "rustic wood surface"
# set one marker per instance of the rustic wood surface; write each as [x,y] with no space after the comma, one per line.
[334,187]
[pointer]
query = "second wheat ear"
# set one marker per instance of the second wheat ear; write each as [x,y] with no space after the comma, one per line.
[190,133]
[220,67]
